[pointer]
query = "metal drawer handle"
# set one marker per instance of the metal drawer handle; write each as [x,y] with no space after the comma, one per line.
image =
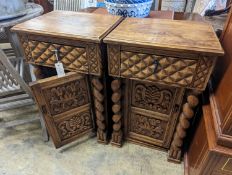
[56,51]
[156,63]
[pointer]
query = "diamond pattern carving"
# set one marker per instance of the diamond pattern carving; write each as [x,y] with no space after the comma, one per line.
[169,69]
[114,59]
[86,59]
[7,79]
[72,57]
[94,57]
[25,45]
[183,72]
[203,72]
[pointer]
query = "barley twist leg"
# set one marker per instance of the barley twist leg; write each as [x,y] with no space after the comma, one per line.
[99,110]
[117,117]
[183,125]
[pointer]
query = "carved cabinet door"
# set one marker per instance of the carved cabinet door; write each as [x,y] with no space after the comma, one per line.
[66,107]
[152,112]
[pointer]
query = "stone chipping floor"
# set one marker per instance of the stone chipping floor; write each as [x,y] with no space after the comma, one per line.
[23,152]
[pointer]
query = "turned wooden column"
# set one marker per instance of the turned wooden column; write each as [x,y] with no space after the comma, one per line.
[117,116]
[98,97]
[183,124]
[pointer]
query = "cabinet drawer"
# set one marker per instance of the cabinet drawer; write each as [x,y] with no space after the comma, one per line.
[184,72]
[76,56]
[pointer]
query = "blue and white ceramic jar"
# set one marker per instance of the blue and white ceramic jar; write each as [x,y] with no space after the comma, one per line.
[129,8]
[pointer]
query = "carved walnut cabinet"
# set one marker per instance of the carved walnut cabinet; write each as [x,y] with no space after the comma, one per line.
[159,68]
[69,103]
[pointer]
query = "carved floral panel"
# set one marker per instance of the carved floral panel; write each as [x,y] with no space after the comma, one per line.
[153,97]
[148,126]
[74,125]
[66,96]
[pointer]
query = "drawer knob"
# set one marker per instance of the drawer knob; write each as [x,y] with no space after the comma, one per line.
[156,64]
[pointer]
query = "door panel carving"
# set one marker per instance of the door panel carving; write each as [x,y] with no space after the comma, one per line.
[152,97]
[66,96]
[65,104]
[74,124]
[148,126]
[152,113]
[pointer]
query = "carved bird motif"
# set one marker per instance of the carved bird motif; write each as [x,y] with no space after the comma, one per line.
[153,97]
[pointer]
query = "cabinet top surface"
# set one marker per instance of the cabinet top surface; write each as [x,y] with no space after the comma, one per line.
[173,35]
[73,25]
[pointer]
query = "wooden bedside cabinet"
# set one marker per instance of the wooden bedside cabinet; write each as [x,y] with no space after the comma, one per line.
[66,102]
[160,67]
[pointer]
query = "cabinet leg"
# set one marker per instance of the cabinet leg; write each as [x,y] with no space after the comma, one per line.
[117,116]
[98,96]
[187,113]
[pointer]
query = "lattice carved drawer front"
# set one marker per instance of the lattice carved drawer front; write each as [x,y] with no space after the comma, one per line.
[153,112]
[85,59]
[184,72]
[66,107]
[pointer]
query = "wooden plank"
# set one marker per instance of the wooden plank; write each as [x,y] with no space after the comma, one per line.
[10,91]
[16,104]
[18,122]
[14,98]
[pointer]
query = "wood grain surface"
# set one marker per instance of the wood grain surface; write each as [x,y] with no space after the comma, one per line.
[221,95]
[65,105]
[223,91]
[213,155]
[71,25]
[166,35]
[205,156]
